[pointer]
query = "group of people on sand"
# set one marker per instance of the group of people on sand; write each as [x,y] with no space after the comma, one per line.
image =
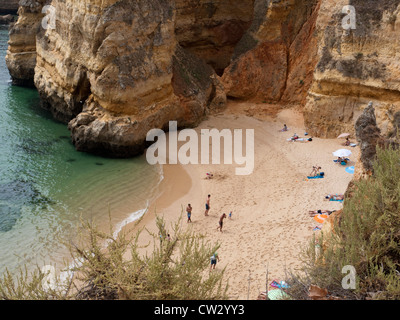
[189,209]
[295,137]
[214,258]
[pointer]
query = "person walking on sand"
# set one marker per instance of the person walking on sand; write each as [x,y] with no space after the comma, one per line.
[221,222]
[230,215]
[207,205]
[214,259]
[189,213]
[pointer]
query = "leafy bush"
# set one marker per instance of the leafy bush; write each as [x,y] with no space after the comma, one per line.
[176,268]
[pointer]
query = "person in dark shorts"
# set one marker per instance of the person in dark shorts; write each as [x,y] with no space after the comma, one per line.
[207,205]
[189,213]
[221,222]
[214,259]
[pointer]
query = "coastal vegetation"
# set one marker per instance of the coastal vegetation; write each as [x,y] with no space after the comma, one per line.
[176,269]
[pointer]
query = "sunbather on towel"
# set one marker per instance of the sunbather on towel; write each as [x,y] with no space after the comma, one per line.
[334,197]
[315,171]
[314,213]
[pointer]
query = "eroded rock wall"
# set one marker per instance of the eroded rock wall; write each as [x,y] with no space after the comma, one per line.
[355,66]
[116,69]
[108,68]
[273,62]
[211,29]
[21,53]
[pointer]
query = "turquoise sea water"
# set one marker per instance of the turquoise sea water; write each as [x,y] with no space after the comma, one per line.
[46,185]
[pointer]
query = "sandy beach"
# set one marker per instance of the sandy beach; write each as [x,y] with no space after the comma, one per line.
[270,221]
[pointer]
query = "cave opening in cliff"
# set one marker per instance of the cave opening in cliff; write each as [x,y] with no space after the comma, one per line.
[212,29]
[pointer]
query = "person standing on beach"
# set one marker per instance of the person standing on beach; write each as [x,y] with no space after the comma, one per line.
[221,222]
[207,205]
[214,259]
[189,213]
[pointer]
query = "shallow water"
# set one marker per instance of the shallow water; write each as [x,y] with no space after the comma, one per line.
[46,185]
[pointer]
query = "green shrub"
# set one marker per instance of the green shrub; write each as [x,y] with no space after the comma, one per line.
[176,268]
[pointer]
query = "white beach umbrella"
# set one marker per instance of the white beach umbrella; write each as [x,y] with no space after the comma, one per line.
[344,135]
[342,153]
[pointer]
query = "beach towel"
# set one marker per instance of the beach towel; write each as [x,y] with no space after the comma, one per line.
[353,145]
[350,170]
[277,294]
[316,177]
[338,200]
[280,285]
[320,218]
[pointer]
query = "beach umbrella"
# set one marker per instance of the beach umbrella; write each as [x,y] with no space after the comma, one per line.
[350,170]
[320,218]
[342,153]
[344,135]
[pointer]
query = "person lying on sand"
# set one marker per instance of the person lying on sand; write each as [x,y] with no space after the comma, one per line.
[314,213]
[209,175]
[335,197]
[315,171]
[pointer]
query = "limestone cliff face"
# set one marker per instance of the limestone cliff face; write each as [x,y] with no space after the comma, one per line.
[115,69]
[21,53]
[275,58]
[9,6]
[108,69]
[355,66]
[211,29]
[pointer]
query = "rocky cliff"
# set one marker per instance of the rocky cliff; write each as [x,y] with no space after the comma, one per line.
[115,69]
[273,61]
[21,53]
[9,6]
[355,66]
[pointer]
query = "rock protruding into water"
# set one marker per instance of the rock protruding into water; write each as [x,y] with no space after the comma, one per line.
[7,19]
[21,53]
